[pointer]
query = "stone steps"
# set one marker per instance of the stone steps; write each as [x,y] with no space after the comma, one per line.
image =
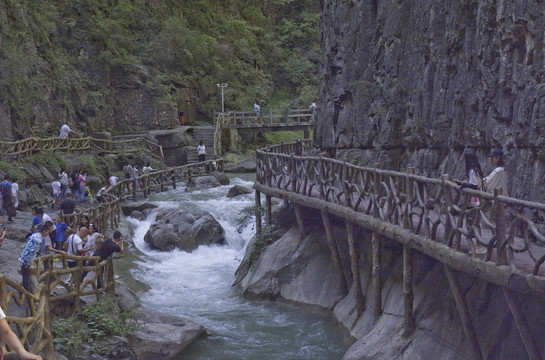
[206,135]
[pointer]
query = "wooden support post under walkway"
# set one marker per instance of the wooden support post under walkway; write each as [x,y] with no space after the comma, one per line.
[522,324]
[377,275]
[354,265]
[268,210]
[463,310]
[510,296]
[258,227]
[409,323]
[334,251]
[300,219]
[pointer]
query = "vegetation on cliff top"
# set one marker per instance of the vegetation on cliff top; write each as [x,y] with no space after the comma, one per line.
[67,54]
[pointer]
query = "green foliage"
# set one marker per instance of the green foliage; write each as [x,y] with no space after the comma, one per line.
[89,164]
[62,56]
[267,237]
[92,324]
[48,158]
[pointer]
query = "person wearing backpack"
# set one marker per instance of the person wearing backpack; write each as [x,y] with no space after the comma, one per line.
[7,197]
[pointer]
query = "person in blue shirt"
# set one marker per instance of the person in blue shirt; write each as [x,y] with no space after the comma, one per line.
[32,249]
[60,233]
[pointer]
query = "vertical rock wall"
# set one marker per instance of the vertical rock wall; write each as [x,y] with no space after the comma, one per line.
[411,83]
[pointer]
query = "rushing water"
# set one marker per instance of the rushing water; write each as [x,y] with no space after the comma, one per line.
[197,286]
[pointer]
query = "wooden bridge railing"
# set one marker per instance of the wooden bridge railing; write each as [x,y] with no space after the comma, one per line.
[433,216]
[32,309]
[438,210]
[266,117]
[107,214]
[32,145]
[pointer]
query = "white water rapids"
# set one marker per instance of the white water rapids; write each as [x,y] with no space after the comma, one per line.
[197,286]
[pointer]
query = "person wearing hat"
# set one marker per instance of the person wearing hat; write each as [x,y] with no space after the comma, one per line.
[498,176]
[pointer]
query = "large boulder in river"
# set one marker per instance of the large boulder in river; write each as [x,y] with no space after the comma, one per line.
[202,182]
[184,228]
[238,190]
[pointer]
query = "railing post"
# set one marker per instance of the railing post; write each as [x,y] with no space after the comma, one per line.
[268,210]
[173,174]
[377,251]
[447,238]
[258,227]
[500,228]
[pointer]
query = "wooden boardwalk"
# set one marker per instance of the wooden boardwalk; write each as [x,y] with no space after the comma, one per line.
[432,216]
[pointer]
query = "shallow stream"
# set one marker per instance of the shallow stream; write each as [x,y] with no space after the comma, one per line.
[197,286]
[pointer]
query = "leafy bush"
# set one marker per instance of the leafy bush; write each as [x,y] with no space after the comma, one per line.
[91,325]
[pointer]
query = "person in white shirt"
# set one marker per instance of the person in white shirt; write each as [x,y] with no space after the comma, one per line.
[75,245]
[147,169]
[8,336]
[498,176]
[201,150]
[15,193]
[56,192]
[113,180]
[99,193]
[63,179]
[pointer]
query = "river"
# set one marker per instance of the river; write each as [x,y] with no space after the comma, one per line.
[197,286]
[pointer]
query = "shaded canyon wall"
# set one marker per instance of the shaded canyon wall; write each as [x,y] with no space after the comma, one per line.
[411,83]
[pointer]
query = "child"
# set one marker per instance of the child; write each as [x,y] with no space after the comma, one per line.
[60,234]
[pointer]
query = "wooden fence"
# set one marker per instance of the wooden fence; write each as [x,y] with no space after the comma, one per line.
[32,145]
[32,309]
[433,216]
[265,117]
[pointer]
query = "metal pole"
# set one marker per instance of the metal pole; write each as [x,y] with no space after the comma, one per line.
[222,86]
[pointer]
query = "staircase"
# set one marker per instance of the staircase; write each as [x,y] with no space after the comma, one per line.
[206,135]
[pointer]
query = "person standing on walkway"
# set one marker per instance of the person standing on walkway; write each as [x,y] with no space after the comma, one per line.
[32,249]
[498,176]
[7,336]
[15,195]
[257,110]
[7,197]
[56,192]
[75,245]
[63,179]
[109,247]
[201,151]
[474,181]
[312,109]
[81,178]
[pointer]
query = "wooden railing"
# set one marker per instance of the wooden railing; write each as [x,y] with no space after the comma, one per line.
[432,216]
[436,210]
[32,145]
[32,319]
[107,214]
[32,309]
[265,117]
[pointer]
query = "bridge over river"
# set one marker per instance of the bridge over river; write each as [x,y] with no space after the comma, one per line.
[431,216]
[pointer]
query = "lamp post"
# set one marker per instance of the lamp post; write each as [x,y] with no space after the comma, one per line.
[222,86]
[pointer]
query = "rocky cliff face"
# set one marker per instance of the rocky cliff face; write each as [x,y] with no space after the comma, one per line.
[411,83]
